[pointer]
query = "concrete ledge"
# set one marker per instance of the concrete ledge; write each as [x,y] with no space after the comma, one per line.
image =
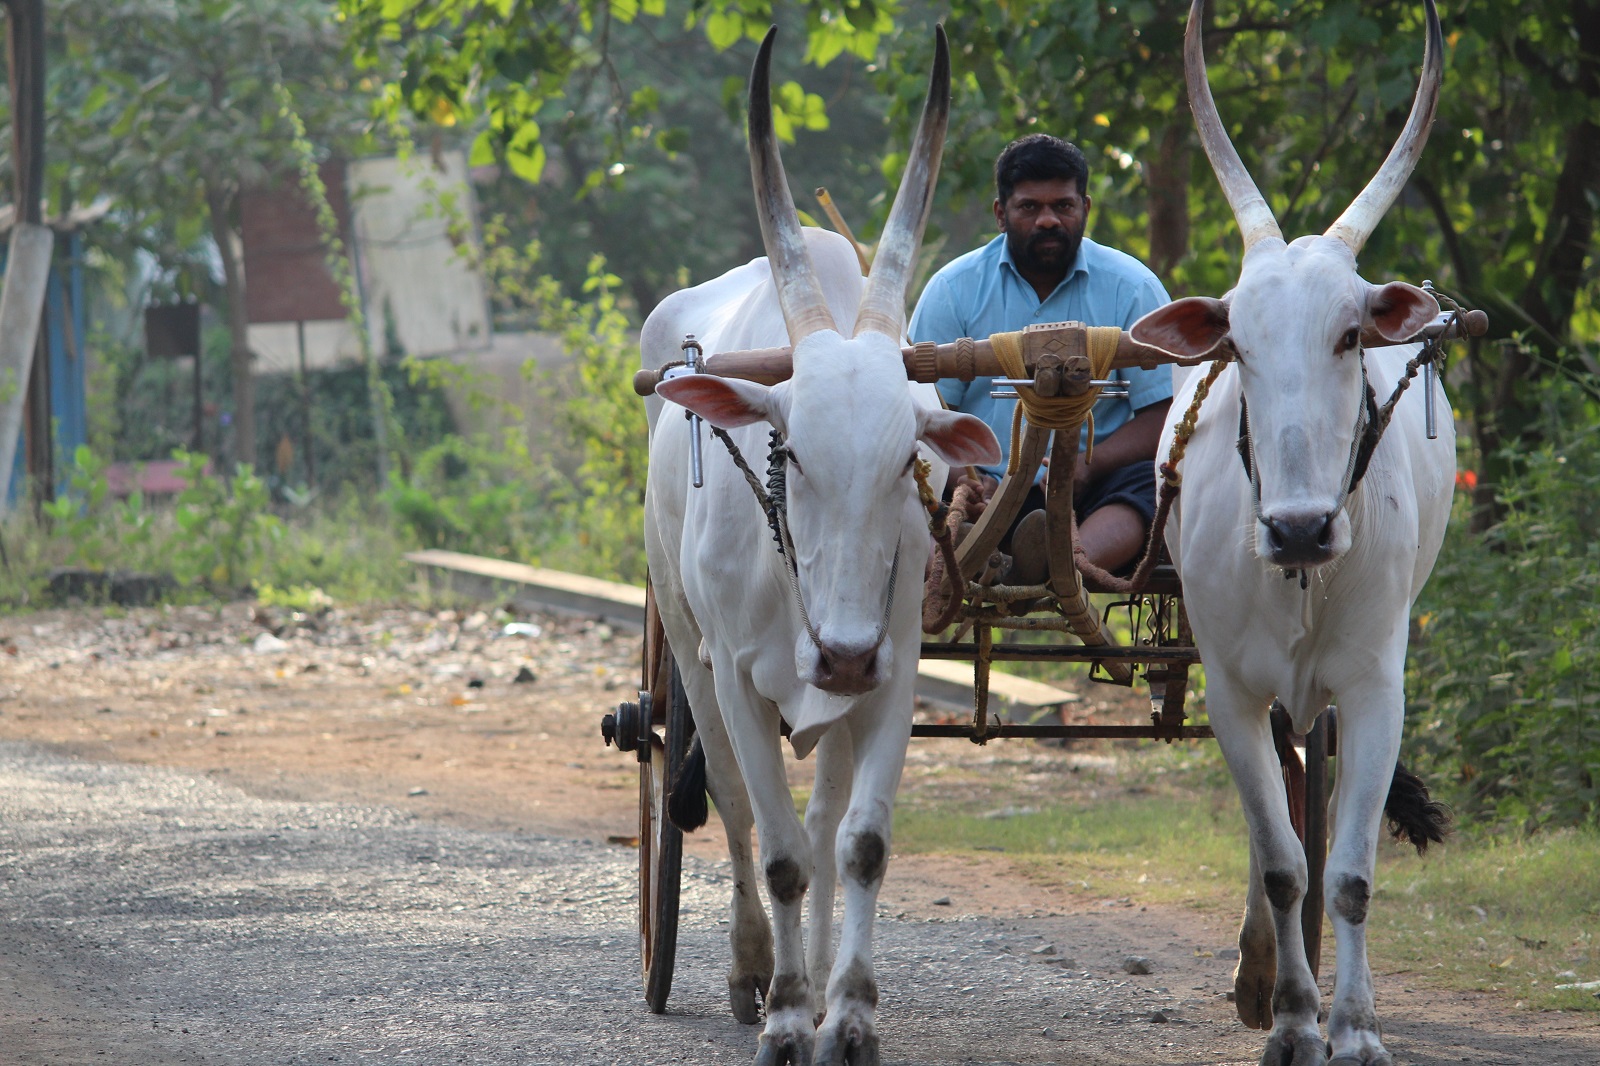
[942,681]
[950,681]
[534,587]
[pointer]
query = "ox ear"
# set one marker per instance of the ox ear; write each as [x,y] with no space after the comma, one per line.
[1190,327]
[1399,311]
[958,439]
[726,403]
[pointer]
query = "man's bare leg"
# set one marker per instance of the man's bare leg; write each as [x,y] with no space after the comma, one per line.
[1113,536]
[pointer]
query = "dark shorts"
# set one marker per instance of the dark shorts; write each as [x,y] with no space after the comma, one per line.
[1134,485]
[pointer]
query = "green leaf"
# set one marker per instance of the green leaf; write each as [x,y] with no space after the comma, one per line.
[527,165]
[482,153]
[724,30]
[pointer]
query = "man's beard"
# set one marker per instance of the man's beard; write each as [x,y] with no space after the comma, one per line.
[1046,251]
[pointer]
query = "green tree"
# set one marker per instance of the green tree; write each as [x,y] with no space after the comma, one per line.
[618,127]
[167,109]
[1501,208]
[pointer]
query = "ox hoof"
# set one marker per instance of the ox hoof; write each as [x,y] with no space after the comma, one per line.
[1376,1057]
[783,1050]
[745,995]
[1295,1048]
[1252,998]
[838,1048]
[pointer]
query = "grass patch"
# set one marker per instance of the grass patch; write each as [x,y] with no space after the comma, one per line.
[1181,842]
[1516,916]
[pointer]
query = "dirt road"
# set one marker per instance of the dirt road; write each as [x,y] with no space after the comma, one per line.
[249,837]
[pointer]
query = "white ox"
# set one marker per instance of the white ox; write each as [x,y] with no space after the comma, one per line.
[840,670]
[1295,320]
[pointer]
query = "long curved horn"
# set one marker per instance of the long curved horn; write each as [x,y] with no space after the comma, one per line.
[1361,217]
[883,302]
[1250,208]
[805,310]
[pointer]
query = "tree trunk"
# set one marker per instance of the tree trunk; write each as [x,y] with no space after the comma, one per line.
[1569,234]
[221,204]
[1166,175]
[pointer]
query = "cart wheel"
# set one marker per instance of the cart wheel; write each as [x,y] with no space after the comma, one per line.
[661,842]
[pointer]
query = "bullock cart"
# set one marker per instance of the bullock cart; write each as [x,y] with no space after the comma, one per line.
[1136,634]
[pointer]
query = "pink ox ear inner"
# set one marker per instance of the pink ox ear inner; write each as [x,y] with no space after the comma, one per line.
[1399,311]
[1193,326]
[726,403]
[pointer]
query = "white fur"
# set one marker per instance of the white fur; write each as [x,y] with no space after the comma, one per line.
[854,423]
[1343,639]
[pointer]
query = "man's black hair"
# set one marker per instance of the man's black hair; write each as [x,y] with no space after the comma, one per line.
[1039,157]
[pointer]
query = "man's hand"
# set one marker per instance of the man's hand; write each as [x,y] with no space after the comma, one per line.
[1135,441]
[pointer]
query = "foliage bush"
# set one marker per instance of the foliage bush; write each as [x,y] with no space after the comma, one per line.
[342,442]
[1505,670]
[602,518]
[217,538]
[216,535]
[97,531]
[224,528]
[484,498]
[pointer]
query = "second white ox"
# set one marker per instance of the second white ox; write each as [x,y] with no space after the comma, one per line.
[829,647]
[1295,322]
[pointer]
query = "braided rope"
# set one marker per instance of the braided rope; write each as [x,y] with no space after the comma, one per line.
[1171,485]
[943,570]
[774,505]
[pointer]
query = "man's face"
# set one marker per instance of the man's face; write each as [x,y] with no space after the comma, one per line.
[1043,222]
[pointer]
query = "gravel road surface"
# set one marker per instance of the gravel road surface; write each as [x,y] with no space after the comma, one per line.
[159,917]
[215,852]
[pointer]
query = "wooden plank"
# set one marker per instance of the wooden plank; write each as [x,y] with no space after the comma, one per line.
[533,586]
[948,683]
[1021,693]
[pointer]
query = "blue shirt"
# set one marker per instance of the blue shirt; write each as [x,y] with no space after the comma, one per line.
[982,293]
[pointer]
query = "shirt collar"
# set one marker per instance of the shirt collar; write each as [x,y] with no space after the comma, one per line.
[1078,264]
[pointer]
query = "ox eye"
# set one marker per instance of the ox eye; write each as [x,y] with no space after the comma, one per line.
[909,464]
[1351,340]
[793,460]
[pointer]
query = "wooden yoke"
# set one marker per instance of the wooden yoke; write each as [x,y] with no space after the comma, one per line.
[966,358]
[1055,365]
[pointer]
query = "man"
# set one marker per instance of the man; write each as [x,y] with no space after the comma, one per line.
[1041,268]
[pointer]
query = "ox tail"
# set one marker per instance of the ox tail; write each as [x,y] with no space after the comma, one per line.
[686,801]
[1414,817]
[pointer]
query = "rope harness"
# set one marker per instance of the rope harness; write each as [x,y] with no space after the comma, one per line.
[1362,443]
[1058,413]
[1371,422]
[773,499]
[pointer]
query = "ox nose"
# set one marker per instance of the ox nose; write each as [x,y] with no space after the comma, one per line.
[848,669]
[1299,540]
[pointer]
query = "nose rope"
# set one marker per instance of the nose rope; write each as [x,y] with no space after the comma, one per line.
[1352,475]
[775,507]
[792,565]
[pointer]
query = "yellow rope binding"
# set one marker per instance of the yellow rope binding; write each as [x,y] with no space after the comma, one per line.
[1054,412]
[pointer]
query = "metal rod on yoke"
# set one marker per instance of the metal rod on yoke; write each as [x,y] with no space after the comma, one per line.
[1427,384]
[1113,388]
[692,354]
[1428,373]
